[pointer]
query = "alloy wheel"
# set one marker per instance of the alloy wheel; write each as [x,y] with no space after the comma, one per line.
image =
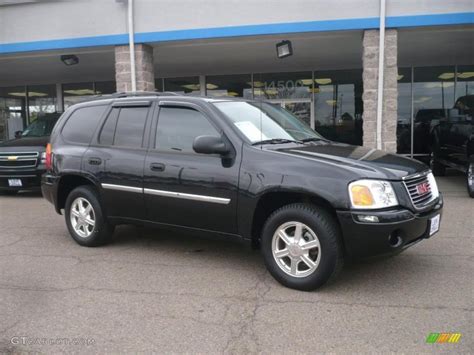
[82,217]
[296,249]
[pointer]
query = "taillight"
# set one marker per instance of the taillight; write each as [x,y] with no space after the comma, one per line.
[49,157]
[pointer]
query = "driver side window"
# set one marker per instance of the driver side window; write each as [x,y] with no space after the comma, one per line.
[178,127]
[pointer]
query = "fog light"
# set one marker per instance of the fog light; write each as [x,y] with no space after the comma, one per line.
[368,218]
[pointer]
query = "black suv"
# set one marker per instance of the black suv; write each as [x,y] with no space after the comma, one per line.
[236,168]
[22,160]
[453,141]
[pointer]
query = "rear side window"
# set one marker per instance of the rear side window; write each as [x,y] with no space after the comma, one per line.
[124,127]
[82,123]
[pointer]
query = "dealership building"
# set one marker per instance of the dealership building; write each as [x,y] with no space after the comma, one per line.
[56,53]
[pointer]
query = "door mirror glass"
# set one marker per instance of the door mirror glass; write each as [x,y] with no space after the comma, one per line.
[210,145]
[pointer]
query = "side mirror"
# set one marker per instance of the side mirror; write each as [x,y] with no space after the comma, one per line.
[210,145]
[18,134]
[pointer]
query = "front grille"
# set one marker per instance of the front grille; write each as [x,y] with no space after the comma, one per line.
[9,160]
[423,198]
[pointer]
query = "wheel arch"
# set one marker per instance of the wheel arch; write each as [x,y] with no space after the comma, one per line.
[69,182]
[271,200]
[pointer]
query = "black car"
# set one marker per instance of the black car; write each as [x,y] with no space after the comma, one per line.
[236,168]
[22,160]
[453,141]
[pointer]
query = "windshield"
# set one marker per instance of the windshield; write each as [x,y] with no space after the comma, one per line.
[40,128]
[264,121]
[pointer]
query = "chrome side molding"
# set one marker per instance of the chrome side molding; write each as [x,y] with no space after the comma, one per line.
[181,195]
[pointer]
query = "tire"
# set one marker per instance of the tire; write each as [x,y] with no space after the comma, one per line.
[437,168]
[319,228]
[83,232]
[470,179]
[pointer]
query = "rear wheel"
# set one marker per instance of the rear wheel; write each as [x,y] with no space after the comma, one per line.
[470,179]
[85,219]
[301,246]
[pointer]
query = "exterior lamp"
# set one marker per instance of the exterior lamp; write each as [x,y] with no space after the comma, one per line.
[284,49]
[69,59]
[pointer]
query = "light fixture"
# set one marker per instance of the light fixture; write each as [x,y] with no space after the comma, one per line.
[323,81]
[399,77]
[446,76]
[69,59]
[192,87]
[80,92]
[307,82]
[30,94]
[284,49]
[211,86]
[466,75]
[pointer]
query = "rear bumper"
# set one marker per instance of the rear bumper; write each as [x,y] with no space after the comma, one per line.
[30,179]
[49,189]
[363,239]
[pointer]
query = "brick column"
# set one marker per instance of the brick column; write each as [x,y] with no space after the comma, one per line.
[370,62]
[145,72]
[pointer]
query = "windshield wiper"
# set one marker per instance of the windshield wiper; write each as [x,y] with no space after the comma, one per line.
[312,139]
[277,141]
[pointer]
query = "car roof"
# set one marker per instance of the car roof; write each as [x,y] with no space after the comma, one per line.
[147,95]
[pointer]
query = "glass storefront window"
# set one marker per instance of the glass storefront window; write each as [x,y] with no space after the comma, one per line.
[159,84]
[464,81]
[77,92]
[185,85]
[105,87]
[274,86]
[404,117]
[338,105]
[41,98]
[229,85]
[433,96]
[12,111]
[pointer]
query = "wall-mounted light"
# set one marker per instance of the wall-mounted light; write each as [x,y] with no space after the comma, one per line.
[284,49]
[69,59]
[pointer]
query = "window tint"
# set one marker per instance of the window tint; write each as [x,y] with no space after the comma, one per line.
[81,125]
[130,126]
[108,129]
[177,128]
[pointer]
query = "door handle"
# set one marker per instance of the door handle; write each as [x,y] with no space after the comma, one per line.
[95,161]
[157,167]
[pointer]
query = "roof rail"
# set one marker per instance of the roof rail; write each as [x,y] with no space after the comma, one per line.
[118,95]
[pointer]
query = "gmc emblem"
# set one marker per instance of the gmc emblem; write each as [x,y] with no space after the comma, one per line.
[423,188]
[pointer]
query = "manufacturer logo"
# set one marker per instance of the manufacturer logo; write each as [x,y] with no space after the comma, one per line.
[443,338]
[423,188]
[12,157]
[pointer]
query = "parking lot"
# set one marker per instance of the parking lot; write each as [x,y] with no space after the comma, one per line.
[153,290]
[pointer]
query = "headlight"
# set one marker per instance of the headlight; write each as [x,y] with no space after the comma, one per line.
[433,186]
[371,194]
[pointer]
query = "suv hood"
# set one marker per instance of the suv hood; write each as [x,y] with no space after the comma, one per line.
[370,163]
[24,144]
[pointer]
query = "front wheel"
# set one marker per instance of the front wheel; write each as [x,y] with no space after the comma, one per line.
[85,219]
[470,179]
[301,246]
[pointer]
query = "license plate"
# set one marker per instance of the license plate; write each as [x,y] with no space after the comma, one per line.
[434,225]
[14,183]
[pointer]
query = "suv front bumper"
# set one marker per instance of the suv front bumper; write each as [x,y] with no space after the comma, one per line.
[396,230]
[30,179]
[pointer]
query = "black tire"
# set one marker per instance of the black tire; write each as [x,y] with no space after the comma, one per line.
[437,168]
[328,233]
[470,179]
[102,231]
